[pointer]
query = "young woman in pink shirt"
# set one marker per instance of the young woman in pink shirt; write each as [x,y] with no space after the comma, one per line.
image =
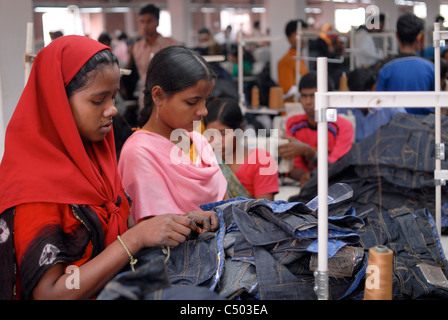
[167,165]
[250,173]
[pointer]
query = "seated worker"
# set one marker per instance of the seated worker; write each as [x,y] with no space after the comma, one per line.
[62,204]
[166,166]
[251,174]
[301,131]
[408,72]
[286,67]
[206,44]
[248,60]
[368,120]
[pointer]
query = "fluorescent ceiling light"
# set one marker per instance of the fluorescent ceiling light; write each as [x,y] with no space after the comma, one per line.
[258,10]
[85,9]
[208,10]
[408,3]
[313,10]
[117,9]
[91,10]
[46,9]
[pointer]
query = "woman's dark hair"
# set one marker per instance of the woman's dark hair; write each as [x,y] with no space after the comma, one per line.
[174,69]
[104,57]
[226,111]
[409,27]
[291,26]
[309,81]
[361,79]
[150,9]
[105,38]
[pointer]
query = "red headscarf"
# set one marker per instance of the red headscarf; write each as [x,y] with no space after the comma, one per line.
[45,159]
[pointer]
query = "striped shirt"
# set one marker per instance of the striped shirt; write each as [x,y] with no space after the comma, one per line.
[143,52]
[340,138]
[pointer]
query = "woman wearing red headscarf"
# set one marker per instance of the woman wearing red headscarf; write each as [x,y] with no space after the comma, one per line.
[63,211]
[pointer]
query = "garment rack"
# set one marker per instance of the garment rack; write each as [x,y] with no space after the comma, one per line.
[241,42]
[409,99]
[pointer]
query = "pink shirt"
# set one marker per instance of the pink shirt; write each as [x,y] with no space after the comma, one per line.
[259,174]
[160,177]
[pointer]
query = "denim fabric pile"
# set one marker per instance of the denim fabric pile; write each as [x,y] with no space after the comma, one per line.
[381,193]
[263,250]
[392,175]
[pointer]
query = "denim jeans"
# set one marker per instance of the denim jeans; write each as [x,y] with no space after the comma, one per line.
[392,175]
[394,166]
[151,282]
[411,236]
[240,276]
[192,263]
[262,250]
[271,241]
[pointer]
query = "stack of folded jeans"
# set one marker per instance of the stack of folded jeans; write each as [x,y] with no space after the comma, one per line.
[382,193]
[271,244]
[392,175]
[263,250]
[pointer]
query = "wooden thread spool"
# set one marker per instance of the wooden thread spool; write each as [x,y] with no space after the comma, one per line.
[378,285]
[343,83]
[255,99]
[276,98]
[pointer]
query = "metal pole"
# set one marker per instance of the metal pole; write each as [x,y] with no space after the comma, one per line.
[299,55]
[439,152]
[242,99]
[321,275]
[29,49]
[352,48]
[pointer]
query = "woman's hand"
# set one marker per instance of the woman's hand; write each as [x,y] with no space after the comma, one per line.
[169,229]
[205,220]
[164,230]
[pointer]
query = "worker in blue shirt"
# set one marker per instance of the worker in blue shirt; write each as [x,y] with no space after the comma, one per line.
[407,71]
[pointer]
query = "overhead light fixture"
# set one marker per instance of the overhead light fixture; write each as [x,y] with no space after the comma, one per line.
[91,10]
[258,9]
[117,9]
[46,9]
[208,10]
[313,10]
[83,10]
[408,3]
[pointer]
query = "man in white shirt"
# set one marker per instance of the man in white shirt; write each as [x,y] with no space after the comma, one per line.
[366,53]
